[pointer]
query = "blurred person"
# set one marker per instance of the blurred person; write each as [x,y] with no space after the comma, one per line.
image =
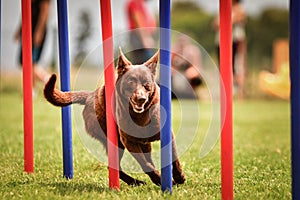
[39,17]
[186,60]
[239,49]
[142,30]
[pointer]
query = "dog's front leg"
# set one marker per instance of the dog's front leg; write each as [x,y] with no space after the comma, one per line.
[123,176]
[136,150]
[178,174]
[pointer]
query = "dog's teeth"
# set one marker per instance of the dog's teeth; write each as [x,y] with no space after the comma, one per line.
[138,109]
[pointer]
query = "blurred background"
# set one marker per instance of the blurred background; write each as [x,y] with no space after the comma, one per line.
[267,23]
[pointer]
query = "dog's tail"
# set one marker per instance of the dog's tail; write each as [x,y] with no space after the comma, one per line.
[59,98]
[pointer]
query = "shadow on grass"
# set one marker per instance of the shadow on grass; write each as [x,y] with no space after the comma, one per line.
[70,188]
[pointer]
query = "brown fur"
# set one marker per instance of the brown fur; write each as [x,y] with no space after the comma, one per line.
[137,114]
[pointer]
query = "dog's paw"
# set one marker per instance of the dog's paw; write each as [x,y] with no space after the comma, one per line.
[179,178]
[136,182]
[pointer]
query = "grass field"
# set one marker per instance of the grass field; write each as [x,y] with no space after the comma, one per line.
[261,157]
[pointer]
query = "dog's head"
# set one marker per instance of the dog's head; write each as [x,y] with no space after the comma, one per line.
[136,83]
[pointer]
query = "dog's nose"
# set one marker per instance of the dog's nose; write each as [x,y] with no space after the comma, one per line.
[141,99]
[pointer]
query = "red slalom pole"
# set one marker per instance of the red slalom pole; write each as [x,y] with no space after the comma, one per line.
[226,99]
[27,85]
[109,77]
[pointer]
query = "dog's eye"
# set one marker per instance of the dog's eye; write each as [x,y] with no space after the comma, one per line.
[131,83]
[147,86]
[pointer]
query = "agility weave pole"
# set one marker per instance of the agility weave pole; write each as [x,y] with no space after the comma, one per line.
[165,95]
[0,40]
[64,60]
[226,99]
[109,78]
[295,95]
[27,86]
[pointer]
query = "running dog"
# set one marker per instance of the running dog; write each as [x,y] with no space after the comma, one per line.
[137,114]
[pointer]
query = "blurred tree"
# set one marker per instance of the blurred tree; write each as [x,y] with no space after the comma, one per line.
[189,19]
[262,31]
[84,31]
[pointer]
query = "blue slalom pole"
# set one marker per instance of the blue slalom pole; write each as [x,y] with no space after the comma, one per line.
[295,95]
[165,95]
[64,60]
[0,41]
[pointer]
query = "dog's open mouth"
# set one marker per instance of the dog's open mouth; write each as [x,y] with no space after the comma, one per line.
[137,107]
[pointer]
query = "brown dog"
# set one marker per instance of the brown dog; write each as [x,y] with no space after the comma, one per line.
[137,115]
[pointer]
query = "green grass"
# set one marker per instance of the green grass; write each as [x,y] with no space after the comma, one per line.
[261,157]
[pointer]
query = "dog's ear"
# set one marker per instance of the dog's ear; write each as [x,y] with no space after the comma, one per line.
[152,62]
[123,63]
